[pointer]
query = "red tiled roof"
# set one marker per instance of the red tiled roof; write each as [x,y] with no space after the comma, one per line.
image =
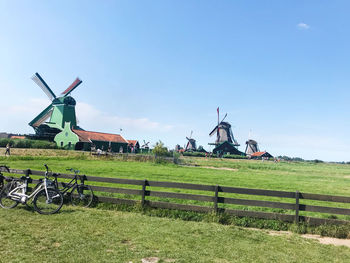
[17,137]
[132,142]
[88,136]
[257,154]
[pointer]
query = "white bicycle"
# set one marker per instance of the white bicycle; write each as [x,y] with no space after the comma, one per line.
[46,198]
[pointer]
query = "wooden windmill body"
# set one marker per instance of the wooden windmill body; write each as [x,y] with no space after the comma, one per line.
[225,141]
[252,147]
[191,144]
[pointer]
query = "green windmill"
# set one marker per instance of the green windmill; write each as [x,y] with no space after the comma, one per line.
[61,110]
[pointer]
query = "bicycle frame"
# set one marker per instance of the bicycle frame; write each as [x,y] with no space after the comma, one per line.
[19,192]
[67,186]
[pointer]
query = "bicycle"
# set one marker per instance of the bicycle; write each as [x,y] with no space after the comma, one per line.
[3,178]
[46,198]
[80,194]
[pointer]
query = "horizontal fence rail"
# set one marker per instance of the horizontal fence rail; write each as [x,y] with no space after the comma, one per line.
[214,198]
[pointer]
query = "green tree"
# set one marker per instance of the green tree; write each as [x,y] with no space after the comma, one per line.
[159,149]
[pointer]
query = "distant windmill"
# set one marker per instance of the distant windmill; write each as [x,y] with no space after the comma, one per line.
[223,132]
[191,144]
[145,145]
[252,147]
[62,109]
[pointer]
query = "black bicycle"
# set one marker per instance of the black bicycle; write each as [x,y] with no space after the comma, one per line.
[80,194]
[3,178]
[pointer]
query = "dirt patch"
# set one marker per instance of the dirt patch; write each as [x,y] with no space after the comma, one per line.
[150,260]
[322,240]
[329,240]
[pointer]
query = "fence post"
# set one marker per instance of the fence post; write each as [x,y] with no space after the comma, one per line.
[216,198]
[297,207]
[143,192]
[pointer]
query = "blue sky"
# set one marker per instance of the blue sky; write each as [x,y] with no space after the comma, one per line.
[159,69]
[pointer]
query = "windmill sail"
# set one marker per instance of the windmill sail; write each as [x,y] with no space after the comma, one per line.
[42,117]
[72,87]
[42,84]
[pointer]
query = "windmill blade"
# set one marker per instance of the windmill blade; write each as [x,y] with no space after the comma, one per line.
[42,84]
[187,138]
[224,118]
[191,134]
[213,131]
[218,127]
[72,87]
[233,138]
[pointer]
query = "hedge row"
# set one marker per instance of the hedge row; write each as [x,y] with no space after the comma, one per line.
[26,143]
[202,154]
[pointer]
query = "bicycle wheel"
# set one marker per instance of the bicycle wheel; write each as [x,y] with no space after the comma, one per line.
[5,201]
[81,195]
[50,204]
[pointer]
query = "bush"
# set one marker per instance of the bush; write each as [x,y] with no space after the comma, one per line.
[160,150]
[194,154]
[26,143]
[234,156]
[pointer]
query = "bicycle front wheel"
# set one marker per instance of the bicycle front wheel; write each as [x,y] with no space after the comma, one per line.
[82,195]
[49,203]
[5,200]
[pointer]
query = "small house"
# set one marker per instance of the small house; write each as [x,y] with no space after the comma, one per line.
[260,155]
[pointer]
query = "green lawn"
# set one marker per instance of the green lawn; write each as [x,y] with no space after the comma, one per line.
[94,235]
[306,177]
[320,178]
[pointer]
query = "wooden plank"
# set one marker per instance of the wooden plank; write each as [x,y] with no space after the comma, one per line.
[204,198]
[258,214]
[329,198]
[248,191]
[15,171]
[324,209]
[181,185]
[259,203]
[143,193]
[113,200]
[297,195]
[216,198]
[182,207]
[90,178]
[116,190]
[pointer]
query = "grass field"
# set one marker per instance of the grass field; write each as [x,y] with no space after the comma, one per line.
[109,235]
[320,178]
[310,177]
[94,235]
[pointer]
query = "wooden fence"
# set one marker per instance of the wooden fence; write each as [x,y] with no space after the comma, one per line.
[215,198]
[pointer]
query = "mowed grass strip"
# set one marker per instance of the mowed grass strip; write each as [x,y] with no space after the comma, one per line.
[93,235]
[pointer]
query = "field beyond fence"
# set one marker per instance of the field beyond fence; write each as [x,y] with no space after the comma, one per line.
[213,196]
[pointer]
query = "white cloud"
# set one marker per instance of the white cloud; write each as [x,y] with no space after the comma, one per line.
[93,119]
[303,26]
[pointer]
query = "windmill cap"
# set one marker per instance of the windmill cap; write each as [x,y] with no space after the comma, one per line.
[251,142]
